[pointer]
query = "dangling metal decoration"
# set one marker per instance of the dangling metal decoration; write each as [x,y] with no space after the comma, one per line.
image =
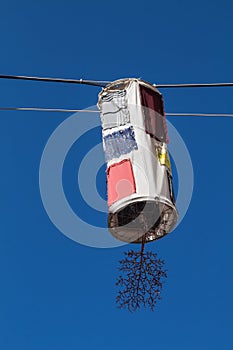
[141,200]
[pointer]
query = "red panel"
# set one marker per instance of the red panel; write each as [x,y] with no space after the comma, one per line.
[120,181]
[151,99]
[155,123]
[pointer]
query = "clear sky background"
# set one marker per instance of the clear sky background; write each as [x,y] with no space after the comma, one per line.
[57,294]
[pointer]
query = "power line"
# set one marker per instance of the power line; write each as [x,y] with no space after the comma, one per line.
[196,85]
[200,114]
[104,83]
[41,109]
[65,110]
[56,80]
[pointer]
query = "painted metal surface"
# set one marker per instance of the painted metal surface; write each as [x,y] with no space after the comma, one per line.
[141,204]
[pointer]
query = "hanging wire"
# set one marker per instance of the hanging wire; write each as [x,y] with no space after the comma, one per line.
[199,114]
[196,85]
[104,83]
[41,109]
[56,80]
[65,110]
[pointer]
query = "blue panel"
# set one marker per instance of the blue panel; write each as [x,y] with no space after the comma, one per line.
[119,142]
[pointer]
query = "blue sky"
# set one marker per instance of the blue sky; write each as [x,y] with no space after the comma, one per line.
[56,293]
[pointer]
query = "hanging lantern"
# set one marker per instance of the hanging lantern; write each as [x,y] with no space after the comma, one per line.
[141,200]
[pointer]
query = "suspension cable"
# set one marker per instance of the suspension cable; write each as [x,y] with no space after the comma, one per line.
[104,83]
[56,80]
[65,110]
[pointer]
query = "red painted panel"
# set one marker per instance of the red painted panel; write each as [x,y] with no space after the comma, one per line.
[120,181]
[155,120]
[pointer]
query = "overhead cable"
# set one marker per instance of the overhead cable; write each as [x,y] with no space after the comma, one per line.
[65,110]
[195,85]
[41,109]
[56,80]
[200,114]
[104,83]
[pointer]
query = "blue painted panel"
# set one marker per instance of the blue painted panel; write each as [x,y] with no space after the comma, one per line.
[119,142]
